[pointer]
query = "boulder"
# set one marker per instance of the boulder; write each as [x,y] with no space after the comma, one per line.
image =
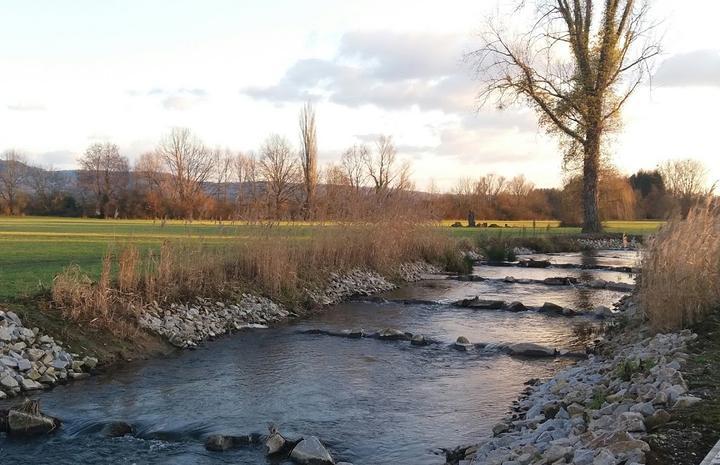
[275,443]
[462,344]
[530,349]
[219,443]
[116,429]
[356,333]
[516,307]
[560,281]
[500,428]
[310,451]
[480,304]
[685,402]
[27,420]
[656,420]
[392,334]
[419,340]
[632,422]
[549,307]
[531,263]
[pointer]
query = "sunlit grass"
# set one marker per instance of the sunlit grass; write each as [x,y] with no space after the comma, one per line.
[34,249]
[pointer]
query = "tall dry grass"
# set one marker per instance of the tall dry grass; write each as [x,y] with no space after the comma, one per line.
[680,282]
[274,265]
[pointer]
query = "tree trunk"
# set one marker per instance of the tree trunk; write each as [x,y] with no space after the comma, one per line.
[591,190]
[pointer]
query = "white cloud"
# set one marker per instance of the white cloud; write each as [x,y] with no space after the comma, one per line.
[700,68]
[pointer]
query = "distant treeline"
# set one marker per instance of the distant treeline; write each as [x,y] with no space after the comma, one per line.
[183,178]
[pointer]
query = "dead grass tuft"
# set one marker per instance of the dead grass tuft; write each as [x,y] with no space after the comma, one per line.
[680,282]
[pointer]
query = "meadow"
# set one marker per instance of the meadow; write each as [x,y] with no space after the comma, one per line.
[35,249]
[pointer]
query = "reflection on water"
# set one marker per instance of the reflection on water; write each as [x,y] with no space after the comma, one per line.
[371,401]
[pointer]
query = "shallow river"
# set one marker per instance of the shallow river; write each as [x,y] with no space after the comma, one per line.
[370,401]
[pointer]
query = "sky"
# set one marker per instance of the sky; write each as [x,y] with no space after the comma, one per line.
[84,71]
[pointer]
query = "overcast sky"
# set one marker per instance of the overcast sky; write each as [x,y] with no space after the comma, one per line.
[126,71]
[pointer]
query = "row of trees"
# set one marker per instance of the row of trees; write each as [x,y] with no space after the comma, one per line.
[184,178]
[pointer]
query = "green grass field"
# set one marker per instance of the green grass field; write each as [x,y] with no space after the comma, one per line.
[34,249]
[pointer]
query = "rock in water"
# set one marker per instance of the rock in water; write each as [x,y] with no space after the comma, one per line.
[549,307]
[516,307]
[116,429]
[462,344]
[275,443]
[393,335]
[219,443]
[26,424]
[310,451]
[531,350]
[530,263]
[419,340]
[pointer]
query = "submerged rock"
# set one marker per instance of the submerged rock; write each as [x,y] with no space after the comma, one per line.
[419,340]
[462,344]
[393,334]
[532,263]
[275,443]
[516,307]
[530,349]
[116,429]
[549,307]
[480,304]
[310,451]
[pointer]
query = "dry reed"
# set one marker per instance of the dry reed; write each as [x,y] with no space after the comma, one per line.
[680,282]
[274,265]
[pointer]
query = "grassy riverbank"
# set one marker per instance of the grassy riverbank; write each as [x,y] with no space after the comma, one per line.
[35,249]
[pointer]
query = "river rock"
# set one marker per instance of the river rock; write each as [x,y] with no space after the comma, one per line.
[392,334]
[462,344]
[275,443]
[656,420]
[516,307]
[531,350]
[560,280]
[532,263]
[310,451]
[549,307]
[631,422]
[116,429]
[219,443]
[27,420]
[419,340]
[685,402]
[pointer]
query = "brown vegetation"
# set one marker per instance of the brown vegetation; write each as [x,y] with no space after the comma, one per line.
[279,267]
[680,283]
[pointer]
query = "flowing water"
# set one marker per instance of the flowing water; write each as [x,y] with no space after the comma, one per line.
[370,401]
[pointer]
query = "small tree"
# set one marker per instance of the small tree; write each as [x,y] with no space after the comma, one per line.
[353,164]
[279,169]
[106,174]
[577,64]
[13,173]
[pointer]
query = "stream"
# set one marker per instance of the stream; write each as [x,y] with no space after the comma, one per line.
[370,401]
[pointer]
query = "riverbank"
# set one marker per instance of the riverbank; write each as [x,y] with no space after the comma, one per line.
[640,398]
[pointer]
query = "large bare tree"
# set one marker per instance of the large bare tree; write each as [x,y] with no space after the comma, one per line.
[687,181]
[190,164]
[105,172]
[279,169]
[576,63]
[13,173]
[308,156]
[381,167]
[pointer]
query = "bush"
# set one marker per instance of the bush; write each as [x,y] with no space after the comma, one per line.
[680,281]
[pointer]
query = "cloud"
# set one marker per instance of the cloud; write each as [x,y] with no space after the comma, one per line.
[700,68]
[62,159]
[26,107]
[385,69]
[179,99]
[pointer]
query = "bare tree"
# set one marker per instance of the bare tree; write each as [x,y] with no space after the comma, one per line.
[13,173]
[577,65]
[380,167]
[520,188]
[106,173]
[189,163]
[279,169]
[223,171]
[687,181]
[46,183]
[308,155]
[353,163]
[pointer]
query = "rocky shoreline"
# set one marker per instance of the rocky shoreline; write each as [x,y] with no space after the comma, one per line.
[597,412]
[31,361]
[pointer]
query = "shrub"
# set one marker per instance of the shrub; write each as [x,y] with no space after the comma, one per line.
[680,282]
